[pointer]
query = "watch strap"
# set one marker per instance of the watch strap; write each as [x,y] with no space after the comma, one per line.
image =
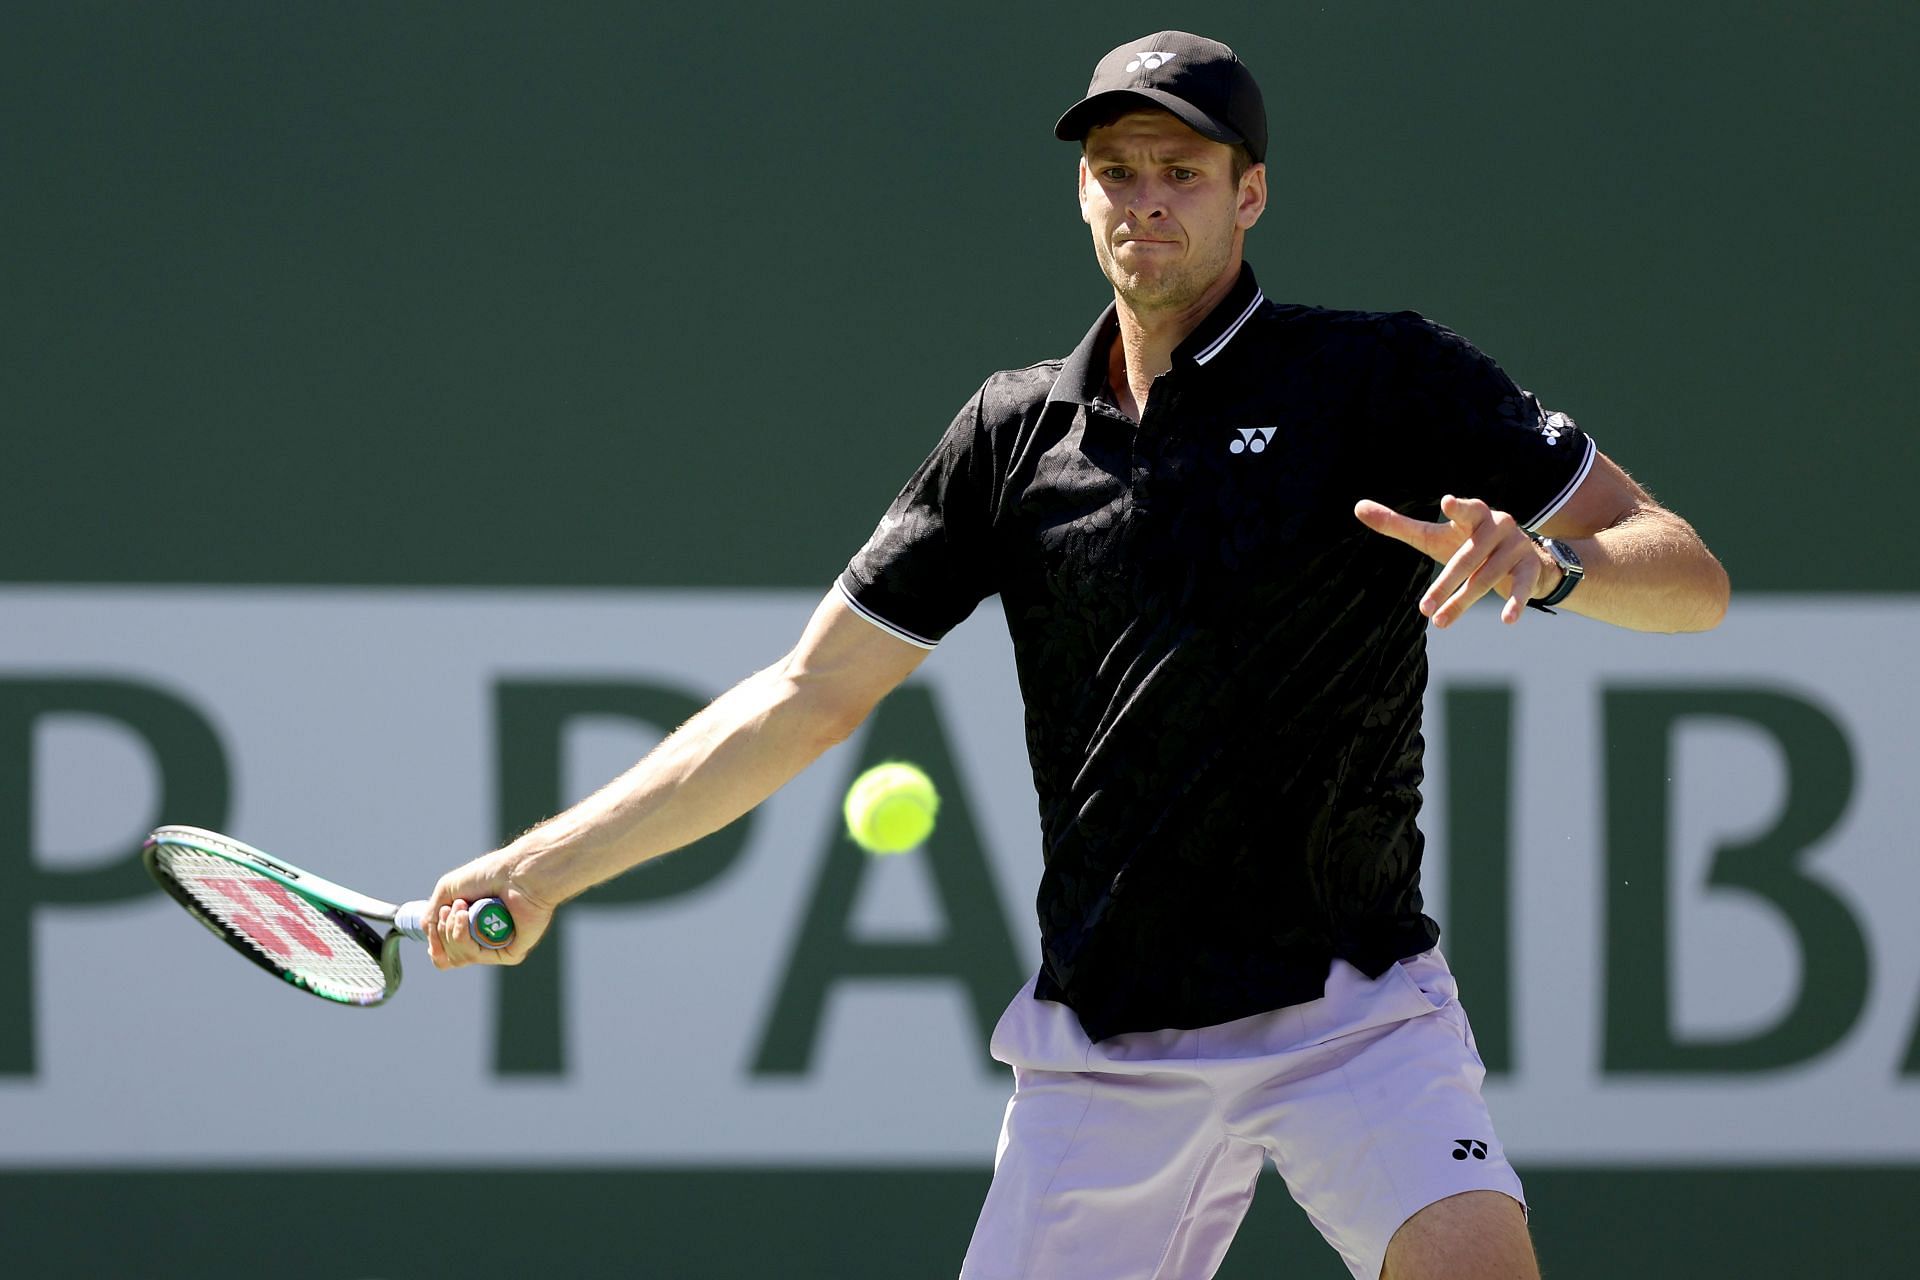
[1571,573]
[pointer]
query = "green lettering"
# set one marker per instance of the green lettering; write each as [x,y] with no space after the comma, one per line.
[1910,1064]
[1479,933]
[532,719]
[1640,730]
[975,950]
[193,787]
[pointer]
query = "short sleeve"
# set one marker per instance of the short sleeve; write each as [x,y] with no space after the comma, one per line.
[928,562]
[1469,431]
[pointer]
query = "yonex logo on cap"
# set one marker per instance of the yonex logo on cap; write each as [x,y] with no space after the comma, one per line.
[1252,439]
[1152,60]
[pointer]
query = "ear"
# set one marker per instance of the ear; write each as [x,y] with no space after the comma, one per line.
[1253,197]
[1082,176]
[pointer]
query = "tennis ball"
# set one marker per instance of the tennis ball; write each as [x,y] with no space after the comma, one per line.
[890,808]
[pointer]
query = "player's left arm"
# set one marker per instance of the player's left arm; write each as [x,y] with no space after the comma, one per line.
[1646,568]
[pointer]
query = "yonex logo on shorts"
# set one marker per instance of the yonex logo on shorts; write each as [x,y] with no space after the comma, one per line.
[1252,439]
[1152,60]
[1469,1146]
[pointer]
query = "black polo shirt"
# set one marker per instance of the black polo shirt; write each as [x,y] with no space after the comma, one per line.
[1222,667]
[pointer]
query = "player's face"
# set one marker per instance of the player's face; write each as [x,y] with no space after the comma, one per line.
[1166,214]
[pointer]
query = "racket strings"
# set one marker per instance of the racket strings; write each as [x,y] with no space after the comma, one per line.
[306,944]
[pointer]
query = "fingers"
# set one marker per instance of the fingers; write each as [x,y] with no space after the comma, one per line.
[1465,513]
[1465,517]
[452,934]
[437,907]
[1422,535]
[1526,575]
[1492,550]
[1499,565]
[448,925]
[450,931]
[1479,550]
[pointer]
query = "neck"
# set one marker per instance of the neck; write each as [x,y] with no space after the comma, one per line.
[1148,337]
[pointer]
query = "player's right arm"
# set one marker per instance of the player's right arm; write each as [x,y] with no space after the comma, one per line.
[740,749]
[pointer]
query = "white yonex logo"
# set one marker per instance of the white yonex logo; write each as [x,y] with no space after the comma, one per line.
[1252,439]
[1553,425]
[1152,60]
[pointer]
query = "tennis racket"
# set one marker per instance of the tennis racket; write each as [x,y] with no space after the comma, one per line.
[300,928]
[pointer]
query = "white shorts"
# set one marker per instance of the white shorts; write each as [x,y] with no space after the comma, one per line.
[1135,1158]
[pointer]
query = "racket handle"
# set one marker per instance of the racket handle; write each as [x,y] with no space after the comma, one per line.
[489,922]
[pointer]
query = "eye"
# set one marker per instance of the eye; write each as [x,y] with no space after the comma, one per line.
[1182,175]
[1114,173]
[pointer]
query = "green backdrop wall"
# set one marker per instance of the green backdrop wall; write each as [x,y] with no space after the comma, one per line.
[613,294]
[641,295]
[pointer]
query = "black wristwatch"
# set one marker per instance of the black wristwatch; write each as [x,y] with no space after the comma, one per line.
[1570,573]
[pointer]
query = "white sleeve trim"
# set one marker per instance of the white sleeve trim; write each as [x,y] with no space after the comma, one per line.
[898,633]
[1560,500]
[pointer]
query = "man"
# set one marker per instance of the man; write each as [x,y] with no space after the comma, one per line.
[1212,528]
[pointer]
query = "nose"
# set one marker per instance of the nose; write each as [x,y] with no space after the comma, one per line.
[1144,202]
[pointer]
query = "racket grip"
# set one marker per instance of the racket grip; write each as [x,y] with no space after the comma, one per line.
[489,923]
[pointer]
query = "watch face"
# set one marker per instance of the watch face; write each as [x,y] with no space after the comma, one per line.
[1563,555]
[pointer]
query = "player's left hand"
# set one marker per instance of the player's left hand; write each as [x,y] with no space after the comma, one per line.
[1480,548]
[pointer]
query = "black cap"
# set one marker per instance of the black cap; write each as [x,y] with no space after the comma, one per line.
[1199,80]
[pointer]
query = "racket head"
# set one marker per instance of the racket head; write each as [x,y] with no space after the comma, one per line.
[231,888]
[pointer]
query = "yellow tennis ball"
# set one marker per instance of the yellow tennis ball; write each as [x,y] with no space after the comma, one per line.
[890,808]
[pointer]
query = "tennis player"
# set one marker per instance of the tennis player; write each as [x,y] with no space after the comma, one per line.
[1212,528]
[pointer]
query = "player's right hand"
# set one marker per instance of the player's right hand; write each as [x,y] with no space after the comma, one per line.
[449,943]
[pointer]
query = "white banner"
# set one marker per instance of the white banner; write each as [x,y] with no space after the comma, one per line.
[358,732]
